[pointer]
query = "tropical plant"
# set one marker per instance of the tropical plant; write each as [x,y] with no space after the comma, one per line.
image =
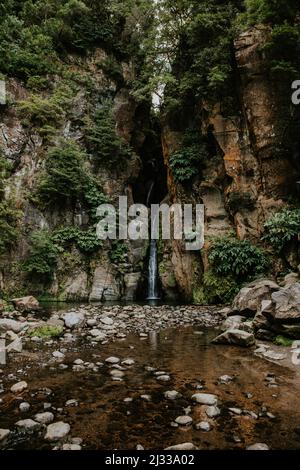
[240,259]
[282,228]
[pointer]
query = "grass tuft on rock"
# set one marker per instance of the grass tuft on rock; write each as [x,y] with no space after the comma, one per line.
[47,332]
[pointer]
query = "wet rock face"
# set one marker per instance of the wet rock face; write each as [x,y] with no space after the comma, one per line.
[245,162]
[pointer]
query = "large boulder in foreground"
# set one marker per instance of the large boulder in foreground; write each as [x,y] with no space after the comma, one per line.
[249,299]
[236,338]
[7,324]
[26,304]
[286,304]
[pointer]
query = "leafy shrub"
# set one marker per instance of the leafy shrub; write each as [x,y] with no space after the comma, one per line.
[283,341]
[239,201]
[93,196]
[46,113]
[283,50]
[9,217]
[118,252]
[40,111]
[282,228]
[216,290]
[269,11]
[48,331]
[240,259]
[42,259]
[85,240]
[102,140]
[186,162]
[64,178]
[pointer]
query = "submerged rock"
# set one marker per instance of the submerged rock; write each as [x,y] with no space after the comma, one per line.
[19,387]
[258,446]
[44,418]
[184,420]
[203,426]
[205,399]
[28,424]
[184,446]
[57,431]
[172,394]
[212,411]
[4,433]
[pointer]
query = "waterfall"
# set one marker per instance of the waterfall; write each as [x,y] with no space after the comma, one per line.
[153,267]
[153,272]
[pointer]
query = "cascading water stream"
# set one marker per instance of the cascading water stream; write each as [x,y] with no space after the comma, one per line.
[153,265]
[153,272]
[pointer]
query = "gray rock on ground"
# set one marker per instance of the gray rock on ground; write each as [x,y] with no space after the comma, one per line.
[236,338]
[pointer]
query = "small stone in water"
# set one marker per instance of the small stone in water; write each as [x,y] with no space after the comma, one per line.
[112,360]
[128,362]
[78,362]
[24,407]
[225,379]
[71,402]
[44,418]
[117,373]
[27,424]
[3,434]
[171,394]
[184,446]
[71,447]
[205,399]
[203,426]
[146,397]
[258,446]
[184,420]
[57,431]
[236,411]
[163,378]
[212,411]
[19,387]
[58,355]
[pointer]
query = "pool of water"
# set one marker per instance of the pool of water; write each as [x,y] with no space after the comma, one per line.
[105,421]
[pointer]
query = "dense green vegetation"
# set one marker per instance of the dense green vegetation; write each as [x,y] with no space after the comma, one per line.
[66,180]
[241,259]
[233,263]
[186,162]
[42,259]
[46,332]
[282,228]
[45,248]
[103,143]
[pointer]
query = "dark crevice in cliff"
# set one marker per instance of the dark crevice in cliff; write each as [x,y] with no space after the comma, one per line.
[153,173]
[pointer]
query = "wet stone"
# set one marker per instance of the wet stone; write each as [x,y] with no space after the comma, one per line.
[57,431]
[112,360]
[184,420]
[24,407]
[212,411]
[19,387]
[203,426]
